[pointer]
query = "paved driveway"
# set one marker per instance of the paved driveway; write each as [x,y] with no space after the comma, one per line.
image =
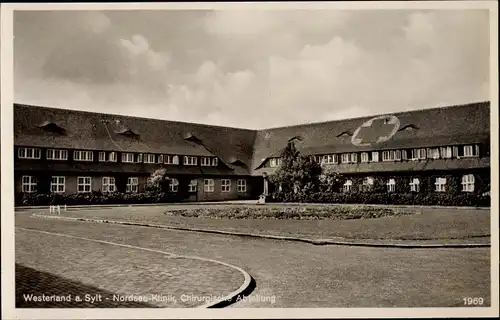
[290,274]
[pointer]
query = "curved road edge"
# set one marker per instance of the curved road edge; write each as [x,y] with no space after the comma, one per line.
[245,289]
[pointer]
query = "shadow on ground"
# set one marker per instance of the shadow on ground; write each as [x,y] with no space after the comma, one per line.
[34,283]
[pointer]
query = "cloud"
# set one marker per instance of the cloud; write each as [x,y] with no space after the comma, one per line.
[95,21]
[257,69]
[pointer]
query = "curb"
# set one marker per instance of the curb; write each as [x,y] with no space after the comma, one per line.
[274,237]
[245,289]
[97,206]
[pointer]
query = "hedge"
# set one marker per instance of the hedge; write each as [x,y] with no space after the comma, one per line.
[427,199]
[29,199]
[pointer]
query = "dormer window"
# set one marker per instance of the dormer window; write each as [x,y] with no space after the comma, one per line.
[52,127]
[191,137]
[409,127]
[292,139]
[128,133]
[274,162]
[344,134]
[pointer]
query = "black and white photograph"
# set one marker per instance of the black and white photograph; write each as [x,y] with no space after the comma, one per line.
[252,158]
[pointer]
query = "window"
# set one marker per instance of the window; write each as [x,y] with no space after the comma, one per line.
[173,185]
[102,156]
[108,184]
[28,153]
[139,158]
[168,159]
[57,184]
[434,153]
[83,156]
[445,152]
[345,158]
[440,184]
[364,157]
[347,186]
[468,151]
[242,185]
[387,156]
[354,157]
[160,158]
[329,159]
[132,184]
[375,156]
[367,184]
[391,185]
[193,184]
[274,162]
[205,161]
[54,154]
[28,184]
[468,183]
[455,152]
[417,154]
[127,157]
[149,158]
[397,154]
[415,185]
[404,155]
[225,185]
[113,157]
[209,185]
[190,161]
[215,162]
[317,159]
[83,184]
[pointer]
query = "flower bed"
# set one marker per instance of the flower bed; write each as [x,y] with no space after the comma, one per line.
[294,213]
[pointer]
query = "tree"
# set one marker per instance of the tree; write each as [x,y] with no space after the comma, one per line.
[297,174]
[158,181]
[330,180]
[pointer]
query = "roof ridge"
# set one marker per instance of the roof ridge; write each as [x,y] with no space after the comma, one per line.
[131,117]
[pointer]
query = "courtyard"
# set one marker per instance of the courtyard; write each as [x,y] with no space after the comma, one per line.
[107,259]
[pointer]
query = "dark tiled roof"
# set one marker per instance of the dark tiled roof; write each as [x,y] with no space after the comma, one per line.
[243,150]
[86,130]
[432,127]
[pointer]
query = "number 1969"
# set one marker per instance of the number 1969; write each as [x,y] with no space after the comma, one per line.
[473,301]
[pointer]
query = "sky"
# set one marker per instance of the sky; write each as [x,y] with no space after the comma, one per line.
[251,68]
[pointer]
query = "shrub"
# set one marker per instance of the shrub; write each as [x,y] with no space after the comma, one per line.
[295,213]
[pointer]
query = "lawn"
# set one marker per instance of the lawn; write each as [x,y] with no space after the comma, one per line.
[424,224]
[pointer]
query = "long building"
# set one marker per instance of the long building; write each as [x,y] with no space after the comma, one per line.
[67,151]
